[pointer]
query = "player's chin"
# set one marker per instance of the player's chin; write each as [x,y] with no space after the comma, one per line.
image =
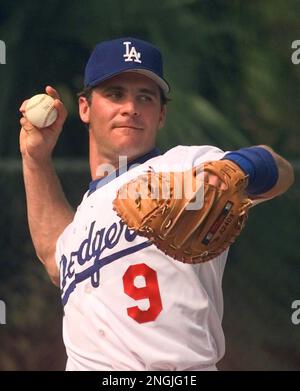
[129,131]
[130,138]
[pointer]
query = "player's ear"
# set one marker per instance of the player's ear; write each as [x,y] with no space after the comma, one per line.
[162,116]
[84,109]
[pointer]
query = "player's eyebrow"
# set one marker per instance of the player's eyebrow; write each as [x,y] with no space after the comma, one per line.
[148,91]
[112,88]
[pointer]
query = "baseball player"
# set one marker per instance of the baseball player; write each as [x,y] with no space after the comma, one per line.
[127,305]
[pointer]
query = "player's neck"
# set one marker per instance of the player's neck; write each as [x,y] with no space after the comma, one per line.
[103,166]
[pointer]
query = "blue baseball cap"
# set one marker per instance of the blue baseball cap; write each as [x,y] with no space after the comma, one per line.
[110,58]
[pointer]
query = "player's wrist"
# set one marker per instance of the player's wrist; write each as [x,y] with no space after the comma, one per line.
[34,163]
[259,164]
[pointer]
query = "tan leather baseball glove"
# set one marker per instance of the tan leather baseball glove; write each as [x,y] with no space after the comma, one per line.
[183,214]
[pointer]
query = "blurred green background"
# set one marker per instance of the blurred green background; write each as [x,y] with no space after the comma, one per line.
[233,85]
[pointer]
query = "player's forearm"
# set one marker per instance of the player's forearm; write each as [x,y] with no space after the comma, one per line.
[48,211]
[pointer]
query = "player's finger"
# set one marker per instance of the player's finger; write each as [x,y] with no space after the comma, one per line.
[62,112]
[52,92]
[217,182]
[223,186]
[27,125]
[23,121]
[23,106]
[28,128]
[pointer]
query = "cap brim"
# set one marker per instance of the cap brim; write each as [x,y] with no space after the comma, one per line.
[158,80]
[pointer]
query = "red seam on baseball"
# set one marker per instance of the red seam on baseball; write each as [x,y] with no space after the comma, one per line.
[47,116]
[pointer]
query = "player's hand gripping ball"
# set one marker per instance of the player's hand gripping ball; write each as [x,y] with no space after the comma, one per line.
[158,206]
[40,110]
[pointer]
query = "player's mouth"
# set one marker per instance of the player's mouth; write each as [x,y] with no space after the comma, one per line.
[128,128]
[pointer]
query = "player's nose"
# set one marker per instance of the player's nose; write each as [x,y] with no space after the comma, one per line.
[130,108]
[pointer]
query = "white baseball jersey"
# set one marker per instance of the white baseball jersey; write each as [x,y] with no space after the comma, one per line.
[128,306]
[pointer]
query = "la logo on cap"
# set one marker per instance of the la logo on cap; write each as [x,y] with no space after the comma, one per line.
[131,53]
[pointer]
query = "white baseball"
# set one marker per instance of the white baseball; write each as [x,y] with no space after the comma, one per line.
[40,110]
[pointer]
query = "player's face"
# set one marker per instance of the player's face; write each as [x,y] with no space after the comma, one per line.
[124,116]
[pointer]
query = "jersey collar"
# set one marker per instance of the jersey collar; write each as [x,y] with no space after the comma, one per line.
[97,183]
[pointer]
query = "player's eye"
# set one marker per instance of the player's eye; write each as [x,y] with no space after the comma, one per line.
[145,98]
[115,95]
